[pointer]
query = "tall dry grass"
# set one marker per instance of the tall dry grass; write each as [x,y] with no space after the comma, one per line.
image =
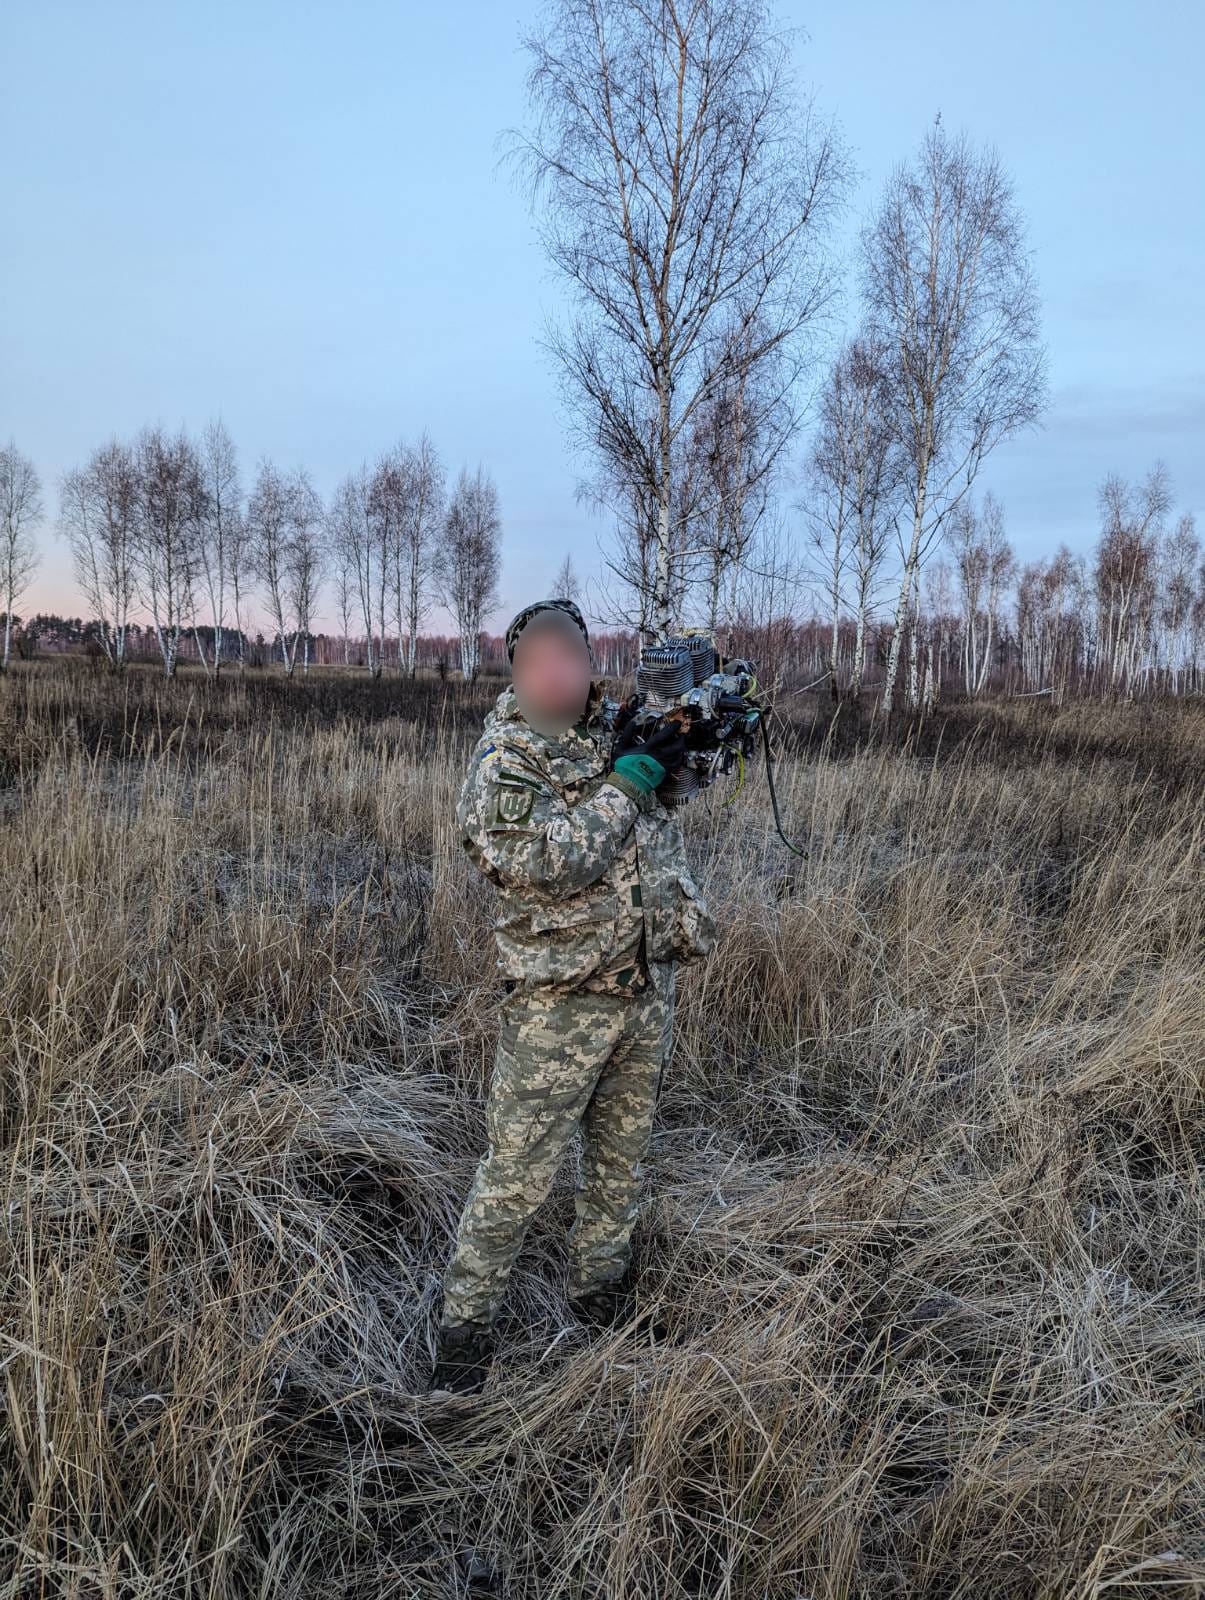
[924,1206]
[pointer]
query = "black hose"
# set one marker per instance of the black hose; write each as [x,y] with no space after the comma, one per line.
[773,792]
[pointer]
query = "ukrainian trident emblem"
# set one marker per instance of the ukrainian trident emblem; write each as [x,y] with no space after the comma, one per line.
[514,802]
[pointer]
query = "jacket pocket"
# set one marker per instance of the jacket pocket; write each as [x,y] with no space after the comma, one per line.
[693,935]
[601,908]
[558,944]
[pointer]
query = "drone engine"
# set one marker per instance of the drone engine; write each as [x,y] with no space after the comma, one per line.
[684,680]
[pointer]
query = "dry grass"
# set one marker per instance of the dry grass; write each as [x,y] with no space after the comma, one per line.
[924,1210]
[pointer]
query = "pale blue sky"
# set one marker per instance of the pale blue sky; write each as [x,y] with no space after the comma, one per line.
[290,215]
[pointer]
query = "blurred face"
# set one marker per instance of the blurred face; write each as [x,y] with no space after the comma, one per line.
[551,671]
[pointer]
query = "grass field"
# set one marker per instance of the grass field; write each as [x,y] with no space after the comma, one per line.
[924,1209]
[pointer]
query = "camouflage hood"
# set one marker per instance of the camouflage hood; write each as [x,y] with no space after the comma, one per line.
[520,620]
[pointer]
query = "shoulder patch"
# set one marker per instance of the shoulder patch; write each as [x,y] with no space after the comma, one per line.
[513,801]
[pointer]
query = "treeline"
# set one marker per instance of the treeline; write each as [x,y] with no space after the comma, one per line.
[1127,618]
[160,524]
[170,556]
[1043,643]
[48,634]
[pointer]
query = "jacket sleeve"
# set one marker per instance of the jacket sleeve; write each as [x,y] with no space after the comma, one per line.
[528,837]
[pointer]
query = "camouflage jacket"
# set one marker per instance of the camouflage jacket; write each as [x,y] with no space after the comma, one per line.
[581,860]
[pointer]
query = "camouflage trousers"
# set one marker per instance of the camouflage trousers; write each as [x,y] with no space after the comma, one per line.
[564,1062]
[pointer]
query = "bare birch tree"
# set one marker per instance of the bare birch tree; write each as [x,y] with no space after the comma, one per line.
[98,513]
[1180,559]
[970,563]
[355,535]
[305,563]
[284,516]
[733,448]
[220,543]
[343,573]
[985,565]
[1001,564]
[772,583]
[688,193]
[468,562]
[388,493]
[414,547]
[268,533]
[1052,608]
[950,294]
[171,507]
[852,475]
[634,557]
[20,513]
[1126,564]
[242,578]
[565,585]
[941,624]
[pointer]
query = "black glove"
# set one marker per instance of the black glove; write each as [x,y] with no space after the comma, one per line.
[627,710]
[662,741]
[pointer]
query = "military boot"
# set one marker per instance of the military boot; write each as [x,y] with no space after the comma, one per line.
[609,1304]
[602,1307]
[462,1357]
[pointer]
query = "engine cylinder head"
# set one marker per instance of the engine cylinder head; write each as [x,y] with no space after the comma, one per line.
[665,673]
[704,659]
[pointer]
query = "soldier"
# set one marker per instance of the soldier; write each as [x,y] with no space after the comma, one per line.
[596,905]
